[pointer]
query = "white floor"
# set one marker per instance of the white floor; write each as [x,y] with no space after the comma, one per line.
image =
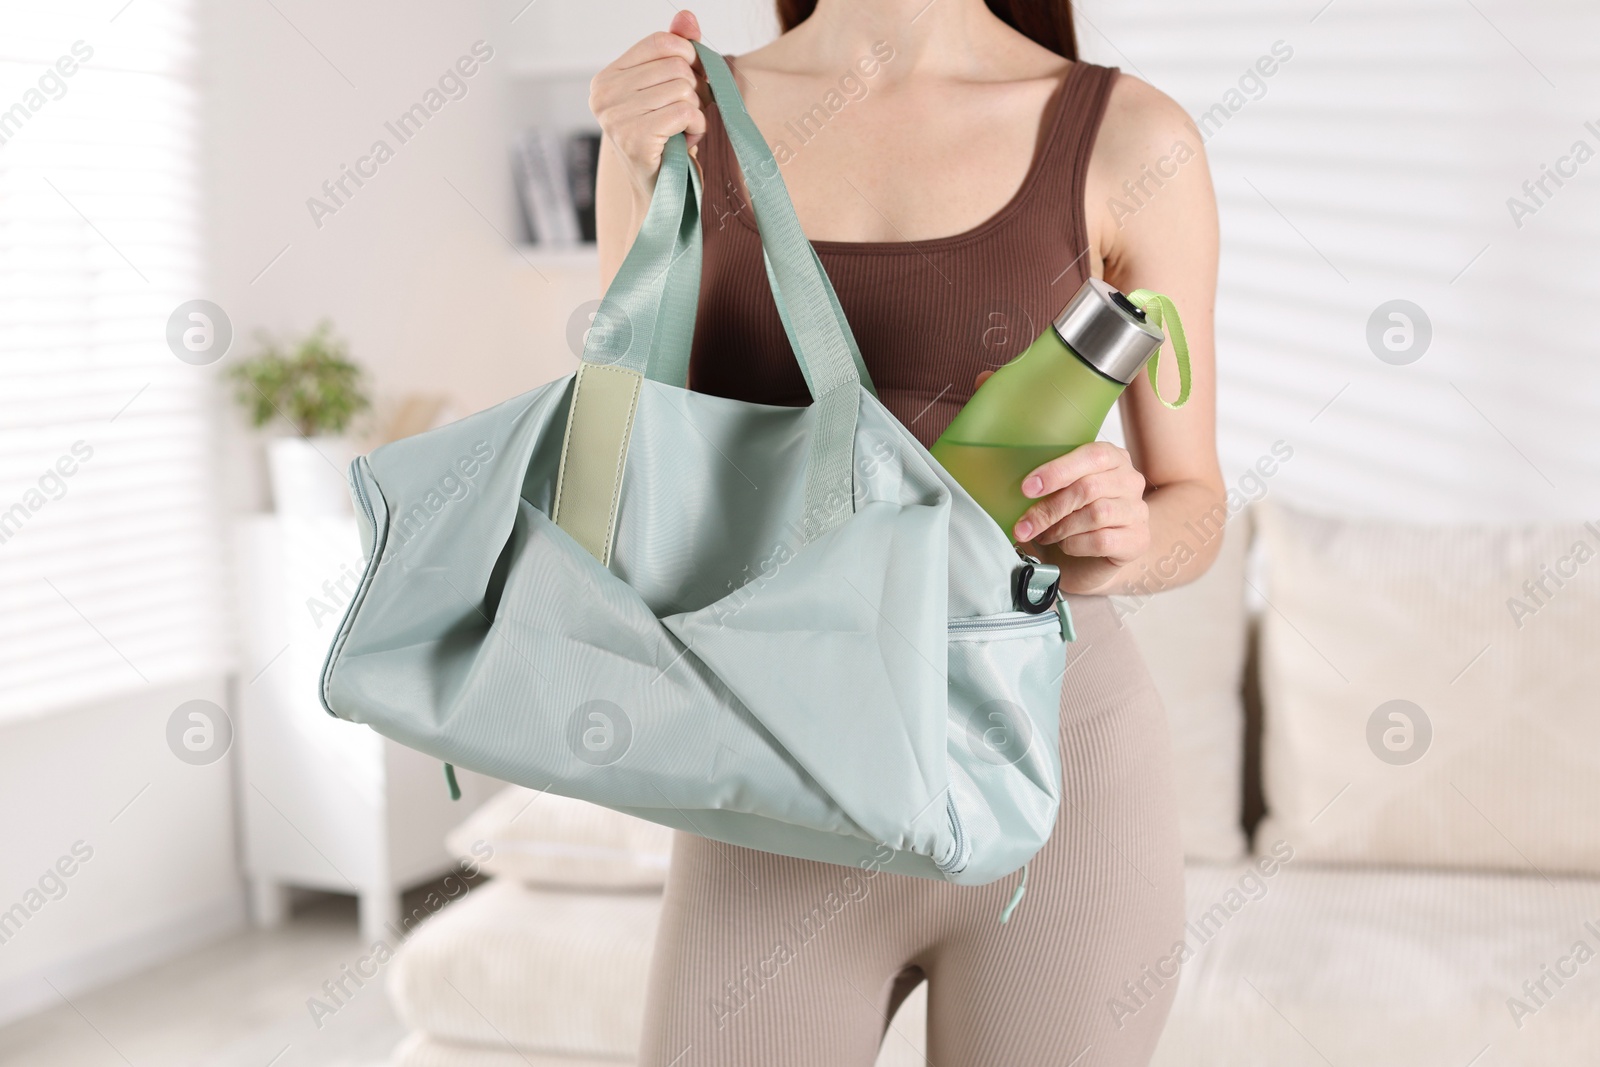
[238,1003]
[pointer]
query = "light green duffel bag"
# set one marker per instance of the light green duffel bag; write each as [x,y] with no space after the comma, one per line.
[784,628]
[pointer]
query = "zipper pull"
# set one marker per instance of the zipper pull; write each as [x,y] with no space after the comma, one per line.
[1036,586]
[1016,896]
[1068,632]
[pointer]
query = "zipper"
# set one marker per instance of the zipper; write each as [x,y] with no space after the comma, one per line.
[957,862]
[1006,622]
[1019,621]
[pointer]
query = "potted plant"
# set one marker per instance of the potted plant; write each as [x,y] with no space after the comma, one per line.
[309,385]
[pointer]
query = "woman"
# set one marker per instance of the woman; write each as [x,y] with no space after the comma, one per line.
[960,175]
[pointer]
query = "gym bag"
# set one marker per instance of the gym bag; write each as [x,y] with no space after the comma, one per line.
[783,628]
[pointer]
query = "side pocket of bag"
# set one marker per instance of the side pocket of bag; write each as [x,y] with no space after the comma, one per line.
[1005,675]
[372,522]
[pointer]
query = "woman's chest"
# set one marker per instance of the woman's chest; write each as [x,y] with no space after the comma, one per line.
[910,163]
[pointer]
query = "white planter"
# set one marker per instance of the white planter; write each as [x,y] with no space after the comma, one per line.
[308,475]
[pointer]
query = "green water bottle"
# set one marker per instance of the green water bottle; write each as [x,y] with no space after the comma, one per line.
[1057,393]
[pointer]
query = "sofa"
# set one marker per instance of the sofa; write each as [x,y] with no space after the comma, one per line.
[1387,741]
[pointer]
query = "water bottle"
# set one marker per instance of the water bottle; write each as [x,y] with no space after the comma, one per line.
[1057,393]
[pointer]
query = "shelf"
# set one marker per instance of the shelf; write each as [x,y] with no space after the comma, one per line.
[580,257]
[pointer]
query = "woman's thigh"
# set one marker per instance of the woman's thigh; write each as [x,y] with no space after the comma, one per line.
[778,961]
[1085,971]
[764,959]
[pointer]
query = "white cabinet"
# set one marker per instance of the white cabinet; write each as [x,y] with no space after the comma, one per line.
[325,804]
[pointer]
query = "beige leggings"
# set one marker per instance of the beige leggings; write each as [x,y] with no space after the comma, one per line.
[767,961]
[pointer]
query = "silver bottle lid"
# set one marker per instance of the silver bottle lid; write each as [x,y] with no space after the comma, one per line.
[1107,331]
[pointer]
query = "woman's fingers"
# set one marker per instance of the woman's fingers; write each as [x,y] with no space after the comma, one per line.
[645,96]
[684,24]
[1118,544]
[1092,488]
[656,97]
[1101,513]
[658,46]
[1085,493]
[1068,468]
[642,89]
[661,71]
[697,126]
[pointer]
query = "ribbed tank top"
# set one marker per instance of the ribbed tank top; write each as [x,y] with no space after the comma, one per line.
[928,315]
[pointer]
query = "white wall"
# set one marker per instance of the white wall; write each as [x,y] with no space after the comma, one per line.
[415,270]
[161,876]
[1376,165]
[566,35]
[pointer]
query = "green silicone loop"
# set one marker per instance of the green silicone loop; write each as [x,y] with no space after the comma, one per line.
[1162,313]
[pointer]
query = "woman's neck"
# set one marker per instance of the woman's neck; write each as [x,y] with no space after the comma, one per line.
[951,38]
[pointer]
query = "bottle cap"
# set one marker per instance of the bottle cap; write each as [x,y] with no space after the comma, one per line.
[1108,332]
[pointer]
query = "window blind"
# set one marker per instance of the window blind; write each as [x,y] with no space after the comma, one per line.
[110,566]
[1376,164]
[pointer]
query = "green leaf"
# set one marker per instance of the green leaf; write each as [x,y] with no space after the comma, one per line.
[311,384]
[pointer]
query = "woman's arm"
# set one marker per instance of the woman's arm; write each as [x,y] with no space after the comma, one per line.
[1149,517]
[648,94]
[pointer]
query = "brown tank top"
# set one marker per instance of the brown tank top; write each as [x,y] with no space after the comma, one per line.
[928,315]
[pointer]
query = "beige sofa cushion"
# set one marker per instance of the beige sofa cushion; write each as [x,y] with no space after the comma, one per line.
[544,839]
[513,976]
[1500,769]
[1313,966]
[551,972]
[1193,641]
[421,1050]
[902,1046]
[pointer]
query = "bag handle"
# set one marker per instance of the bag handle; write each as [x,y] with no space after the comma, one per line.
[645,322]
[818,332]
[645,328]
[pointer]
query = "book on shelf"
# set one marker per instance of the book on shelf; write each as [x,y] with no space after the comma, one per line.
[554,174]
[583,158]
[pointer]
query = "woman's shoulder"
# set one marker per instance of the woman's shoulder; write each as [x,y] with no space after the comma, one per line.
[1148,164]
[1141,125]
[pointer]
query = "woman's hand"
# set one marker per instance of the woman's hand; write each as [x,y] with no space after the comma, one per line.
[1091,509]
[648,94]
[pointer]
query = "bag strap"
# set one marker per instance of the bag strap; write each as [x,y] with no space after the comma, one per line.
[649,309]
[820,332]
[644,328]
[645,322]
